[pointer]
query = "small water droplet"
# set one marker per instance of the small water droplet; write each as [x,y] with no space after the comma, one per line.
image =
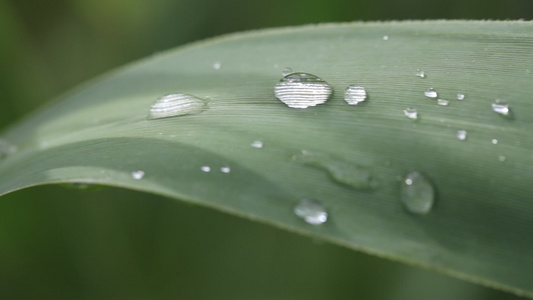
[354,94]
[225,169]
[286,71]
[411,113]
[217,65]
[311,211]
[420,73]
[461,135]
[494,141]
[6,148]
[430,93]
[206,169]
[460,96]
[502,158]
[443,102]
[417,193]
[501,107]
[257,144]
[341,171]
[385,37]
[137,174]
[173,105]
[302,90]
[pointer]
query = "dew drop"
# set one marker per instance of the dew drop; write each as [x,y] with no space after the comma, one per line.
[137,174]
[302,90]
[411,113]
[430,93]
[217,65]
[341,171]
[225,169]
[6,148]
[173,105]
[206,169]
[286,71]
[461,135]
[385,37]
[443,102]
[460,96]
[417,193]
[501,107]
[311,211]
[494,141]
[502,158]
[354,94]
[420,73]
[257,144]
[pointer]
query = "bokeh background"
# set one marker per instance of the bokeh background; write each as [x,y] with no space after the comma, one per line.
[57,243]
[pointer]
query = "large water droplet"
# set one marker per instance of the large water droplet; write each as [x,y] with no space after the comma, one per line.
[302,90]
[461,135]
[174,105]
[341,171]
[286,71]
[420,73]
[225,169]
[411,113]
[443,102]
[311,211]
[430,93]
[139,174]
[501,107]
[494,141]
[354,94]
[417,193]
[257,144]
[206,169]
[460,96]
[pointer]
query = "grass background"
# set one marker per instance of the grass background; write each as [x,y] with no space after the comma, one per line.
[115,244]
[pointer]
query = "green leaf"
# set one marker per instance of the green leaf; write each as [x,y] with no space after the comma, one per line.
[354,158]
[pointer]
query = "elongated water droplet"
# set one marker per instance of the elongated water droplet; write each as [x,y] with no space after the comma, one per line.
[217,65]
[460,96]
[354,94]
[443,102]
[417,193]
[501,107]
[225,169]
[257,144]
[461,135]
[302,90]
[206,169]
[341,171]
[286,71]
[311,211]
[420,73]
[411,113]
[430,93]
[82,186]
[137,174]
[174,105]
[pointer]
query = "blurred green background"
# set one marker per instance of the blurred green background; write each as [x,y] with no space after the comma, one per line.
[57,243]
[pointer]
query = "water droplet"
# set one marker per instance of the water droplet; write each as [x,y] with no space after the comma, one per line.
[353,94]
[461,135]
[417,193]
[137,174]
[502,158]
[217,65]
[301,90]
[206,169]
[311,211]
[257,144]
[411,113]
[494,141]
[430,93]
[225,169]
[174,105]
[385,37]
[501,107]
[6,148]
[286,71]
[443,102]
[341,171]
[460,96]
[82,186]
[420,73]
